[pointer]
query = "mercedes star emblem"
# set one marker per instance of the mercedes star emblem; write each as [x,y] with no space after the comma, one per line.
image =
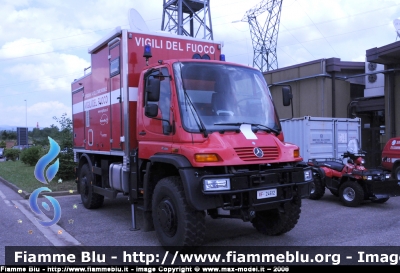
[258,152]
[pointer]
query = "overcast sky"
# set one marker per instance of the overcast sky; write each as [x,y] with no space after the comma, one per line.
[43,43]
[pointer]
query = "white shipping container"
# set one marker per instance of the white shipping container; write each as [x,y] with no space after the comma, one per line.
[319,137]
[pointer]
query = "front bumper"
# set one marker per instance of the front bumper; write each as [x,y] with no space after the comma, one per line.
[247,188]
[389,187]
[379,182]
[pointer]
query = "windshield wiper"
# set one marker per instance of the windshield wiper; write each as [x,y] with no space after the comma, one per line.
[193,110]
[263,127]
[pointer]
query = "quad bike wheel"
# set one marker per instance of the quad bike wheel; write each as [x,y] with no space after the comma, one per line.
[396,173]
[278,221]
[351,194]
[317,188]
[177,224]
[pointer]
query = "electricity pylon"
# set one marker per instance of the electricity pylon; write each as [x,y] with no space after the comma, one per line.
[264,37]
[187,17]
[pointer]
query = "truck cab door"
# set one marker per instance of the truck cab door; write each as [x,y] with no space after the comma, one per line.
[159,128]
[115,87]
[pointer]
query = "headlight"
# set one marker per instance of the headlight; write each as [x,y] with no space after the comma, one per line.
[362,161]
[367,177]
[221,184]
[307,175]
[387,176]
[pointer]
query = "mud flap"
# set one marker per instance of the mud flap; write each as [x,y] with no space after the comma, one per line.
[389,187]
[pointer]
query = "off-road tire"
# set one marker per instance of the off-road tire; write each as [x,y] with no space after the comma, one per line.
[351,194]
[381,200]
[177,224]
[278,221]
[90,200]
[334,192]
[317,188]
[396,173]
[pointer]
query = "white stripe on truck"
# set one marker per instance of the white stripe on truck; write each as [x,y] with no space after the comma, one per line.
[103,100]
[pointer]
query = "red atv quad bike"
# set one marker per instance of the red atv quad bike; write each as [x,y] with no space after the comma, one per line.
[350,181]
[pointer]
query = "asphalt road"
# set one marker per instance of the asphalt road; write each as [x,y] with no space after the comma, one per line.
[325,222]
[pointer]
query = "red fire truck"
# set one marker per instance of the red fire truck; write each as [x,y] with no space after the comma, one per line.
[166,121]
[391,157]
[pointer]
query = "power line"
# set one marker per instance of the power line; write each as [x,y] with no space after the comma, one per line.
[320,32]
[48,79]
[227,42]
[229,14]
[48,52]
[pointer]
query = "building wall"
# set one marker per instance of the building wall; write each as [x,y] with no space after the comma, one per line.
[388,55]
[342,98]
[312,91]
[392,126]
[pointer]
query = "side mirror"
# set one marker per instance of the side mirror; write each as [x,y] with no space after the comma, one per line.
[153,89]
[287,95]
[151,110]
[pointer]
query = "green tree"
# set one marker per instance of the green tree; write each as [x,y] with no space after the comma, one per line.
[31,156]
[65,140]
[40,136]
[2,144]
[11,154]
[12,135]
[4,135]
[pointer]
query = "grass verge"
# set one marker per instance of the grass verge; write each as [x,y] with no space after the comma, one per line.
[23,177]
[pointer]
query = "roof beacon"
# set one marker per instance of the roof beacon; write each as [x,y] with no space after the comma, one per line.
[147,53]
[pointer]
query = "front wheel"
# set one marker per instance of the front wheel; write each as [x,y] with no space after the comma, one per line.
[278,221]
[396,173]
[317,188]
[90,200]
[351,194]
[177,224]
[381,200]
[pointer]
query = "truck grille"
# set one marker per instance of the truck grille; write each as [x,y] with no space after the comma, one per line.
[247,154]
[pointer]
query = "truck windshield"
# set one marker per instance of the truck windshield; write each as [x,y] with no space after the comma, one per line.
[215,97]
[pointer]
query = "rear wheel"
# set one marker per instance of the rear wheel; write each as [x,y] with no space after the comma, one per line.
[351,194]
[278,221]
[317,188]
[89,199]
[176,223]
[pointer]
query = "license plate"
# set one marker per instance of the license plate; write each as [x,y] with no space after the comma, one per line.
[266,193]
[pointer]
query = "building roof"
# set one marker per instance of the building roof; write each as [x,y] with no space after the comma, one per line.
[387,54]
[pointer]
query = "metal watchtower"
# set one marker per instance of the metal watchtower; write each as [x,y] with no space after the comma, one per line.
[187,17]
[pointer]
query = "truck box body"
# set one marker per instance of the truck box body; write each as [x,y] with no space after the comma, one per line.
[320,137]
[104,101]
